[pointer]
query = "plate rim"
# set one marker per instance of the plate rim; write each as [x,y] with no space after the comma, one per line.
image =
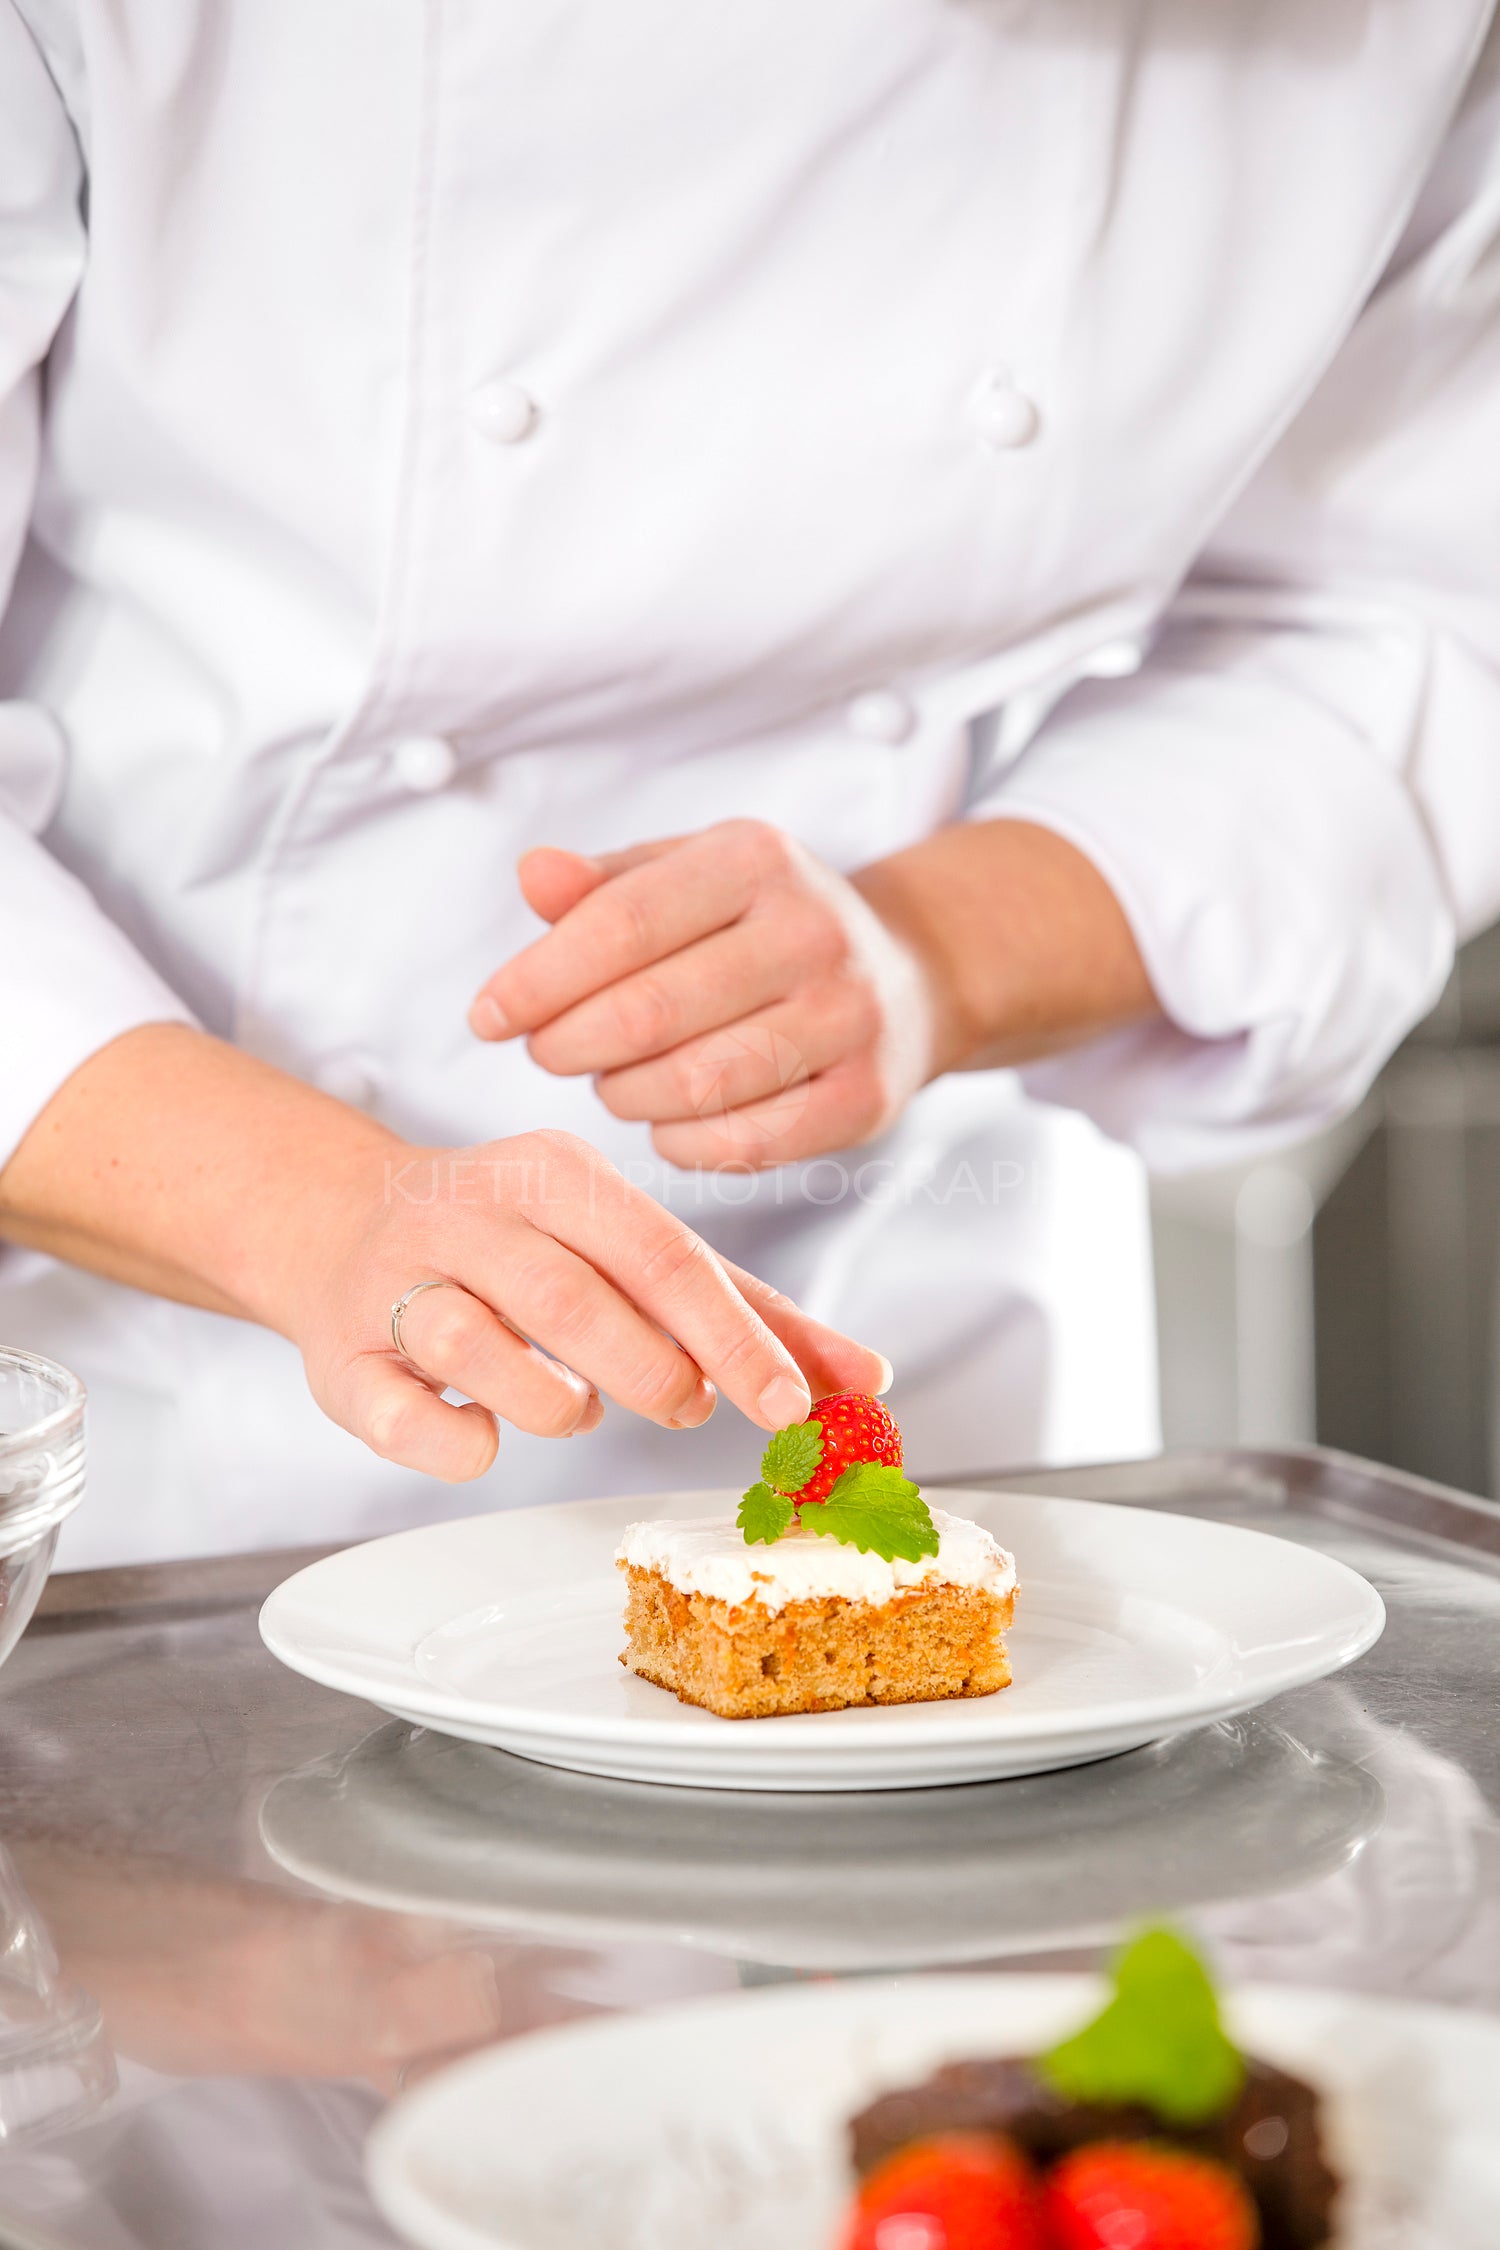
[939,1729]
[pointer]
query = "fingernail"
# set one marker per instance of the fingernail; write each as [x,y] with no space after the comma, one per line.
[698,1408]
[784,1400]
[592,1416]
[488,1019]
[888,1375]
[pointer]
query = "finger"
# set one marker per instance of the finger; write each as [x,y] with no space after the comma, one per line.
[552,882]
[636,855]
[560,1299]
[403,1420]
[640,916]
[670,1273]
[462,1345]
[830,1360]
[841,1107]
[743,1062]
[714,982]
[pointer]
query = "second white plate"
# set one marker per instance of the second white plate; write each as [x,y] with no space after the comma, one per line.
[724,2122]
[1132,1624]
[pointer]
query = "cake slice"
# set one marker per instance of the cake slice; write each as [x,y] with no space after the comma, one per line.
[809,1625]
[860,1595]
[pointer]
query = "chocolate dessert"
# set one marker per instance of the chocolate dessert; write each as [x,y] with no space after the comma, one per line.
[1191,2090]
[1269,2135]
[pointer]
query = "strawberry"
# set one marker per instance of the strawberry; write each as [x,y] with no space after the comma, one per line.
[855,1428]
[957,2191]
[1123,2195]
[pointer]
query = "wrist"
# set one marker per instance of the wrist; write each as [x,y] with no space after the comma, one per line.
[909,906]
[1025,948]
[313,1198]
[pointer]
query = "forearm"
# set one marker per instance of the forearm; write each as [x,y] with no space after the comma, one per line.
[182,1166]
[1026,948]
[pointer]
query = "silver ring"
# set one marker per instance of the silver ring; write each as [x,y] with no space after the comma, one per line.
[399,1307]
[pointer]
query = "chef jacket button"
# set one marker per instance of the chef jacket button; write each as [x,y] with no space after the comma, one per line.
[1004,416]
[424,762]
[881,715]
[1116,660]
[504,412]
[347,1081]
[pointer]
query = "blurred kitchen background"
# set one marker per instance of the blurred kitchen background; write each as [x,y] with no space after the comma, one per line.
[1348,1290]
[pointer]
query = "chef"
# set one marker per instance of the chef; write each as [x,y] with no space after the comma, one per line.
[812,629]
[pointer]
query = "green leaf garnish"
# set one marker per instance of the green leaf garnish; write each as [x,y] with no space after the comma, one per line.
[1159,2041]
[792,1455]
[877,1509]
[764,1515]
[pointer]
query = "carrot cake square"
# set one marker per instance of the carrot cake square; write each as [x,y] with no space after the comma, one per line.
[846,1589]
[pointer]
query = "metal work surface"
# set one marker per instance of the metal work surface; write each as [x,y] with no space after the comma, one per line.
[286,1907]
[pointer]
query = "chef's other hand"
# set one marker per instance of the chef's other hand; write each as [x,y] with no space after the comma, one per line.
[757,1008]
[727,988]
[562,1281]
[181,1165]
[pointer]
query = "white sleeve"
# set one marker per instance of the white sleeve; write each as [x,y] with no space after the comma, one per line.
[1297,798]
[69,980]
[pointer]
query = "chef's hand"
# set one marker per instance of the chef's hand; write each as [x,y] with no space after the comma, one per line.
[180,1165]
[755,1007]
[728,988]
[564,1281]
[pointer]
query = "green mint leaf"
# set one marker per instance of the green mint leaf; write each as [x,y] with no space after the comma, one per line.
[792,1455]
[764,1515]
[877,1509]
[1159,2041]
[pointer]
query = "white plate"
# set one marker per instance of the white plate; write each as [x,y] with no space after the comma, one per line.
[723,2122]
[1131,1624]
[417,1823]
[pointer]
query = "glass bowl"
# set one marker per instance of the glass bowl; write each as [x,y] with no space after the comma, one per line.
[41,1478]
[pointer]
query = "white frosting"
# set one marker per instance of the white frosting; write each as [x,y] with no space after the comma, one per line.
[709,1556]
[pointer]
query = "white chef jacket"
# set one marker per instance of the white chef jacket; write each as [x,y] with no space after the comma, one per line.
[431,430]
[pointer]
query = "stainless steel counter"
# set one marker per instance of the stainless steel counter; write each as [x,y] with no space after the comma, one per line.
[241,1911]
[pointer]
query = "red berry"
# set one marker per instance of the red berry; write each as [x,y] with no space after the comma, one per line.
[1124,2195]
[855,1428]
[957,2191]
